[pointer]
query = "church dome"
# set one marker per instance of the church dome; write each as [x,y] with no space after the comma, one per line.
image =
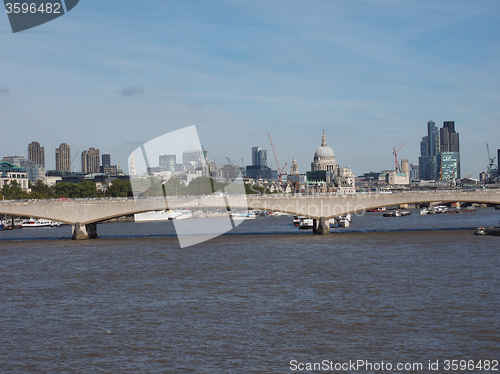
[324,151]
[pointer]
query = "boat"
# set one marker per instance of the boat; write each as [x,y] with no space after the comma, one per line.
[341,221]
[243,215]
[39,222]
[306,223]
[296,220]
[162,215]
[380,209]
[397,213]
[487,231]
[183,214]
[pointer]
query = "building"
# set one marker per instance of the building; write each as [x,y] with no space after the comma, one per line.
[10,172]
[498,162]
[36,153]
[106,160]
[259,156]
[230,171]
[259,169]
[440,153]
[168,162]
[326,175]
[414,171]
[90,161]
[449,152]
[193,156]
[63,157]
[294,167]
[263,172]
[106,167]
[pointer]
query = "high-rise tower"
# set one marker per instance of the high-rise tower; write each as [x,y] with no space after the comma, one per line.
[90,161]
[63,157]
[36,153]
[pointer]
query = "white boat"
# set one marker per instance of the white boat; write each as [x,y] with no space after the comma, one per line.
[397,213]
[183,214]
[162,215]
[39,222]
[345,221]
[306,223]
[341,221]
[243,215]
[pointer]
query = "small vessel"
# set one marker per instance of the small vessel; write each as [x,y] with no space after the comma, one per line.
[306,223]
[380,209]
[183,214]
[39,222]
[162,215]
[244,215]
[397,213]
[296,220]
[487,231]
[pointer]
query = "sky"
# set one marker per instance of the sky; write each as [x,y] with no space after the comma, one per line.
[115,74]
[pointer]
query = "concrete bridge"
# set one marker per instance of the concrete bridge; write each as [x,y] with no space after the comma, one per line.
[83,214]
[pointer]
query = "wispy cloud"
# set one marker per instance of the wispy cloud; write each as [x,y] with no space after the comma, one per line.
[4,89]
[131,90]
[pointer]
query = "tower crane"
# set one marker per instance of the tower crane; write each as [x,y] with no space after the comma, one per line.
[231,162]
[280,170]
[491,162]
[395,153]
[73,160]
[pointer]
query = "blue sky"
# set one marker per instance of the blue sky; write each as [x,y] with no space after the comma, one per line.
[113,74]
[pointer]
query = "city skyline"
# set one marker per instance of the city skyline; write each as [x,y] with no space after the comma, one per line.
[372,73]
[444,140]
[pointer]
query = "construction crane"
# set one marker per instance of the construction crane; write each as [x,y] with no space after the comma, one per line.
[395,153]
[280,170]
[491,162]
[73,160]
[231,162]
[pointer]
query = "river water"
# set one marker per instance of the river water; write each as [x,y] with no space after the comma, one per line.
[267,298]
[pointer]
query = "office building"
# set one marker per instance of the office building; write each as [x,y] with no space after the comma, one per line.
[440,153]
[36,153]
[9,173]
[449,152]
[498,162]
[90,161]
[193,156]
[106,160]
[168,162]
[259,156]
[429,147]
[63,157]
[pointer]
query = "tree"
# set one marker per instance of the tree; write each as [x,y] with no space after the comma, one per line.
[40,190]
[13,191]
[119,188]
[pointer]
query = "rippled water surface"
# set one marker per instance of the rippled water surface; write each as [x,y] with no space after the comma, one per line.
[407,289]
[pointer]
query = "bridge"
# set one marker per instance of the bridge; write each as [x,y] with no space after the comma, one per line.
[84,214]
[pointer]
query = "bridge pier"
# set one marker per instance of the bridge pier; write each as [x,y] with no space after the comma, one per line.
[82,232]
[321,226]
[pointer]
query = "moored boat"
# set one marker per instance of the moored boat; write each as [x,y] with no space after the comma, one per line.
[397,213]
[39,222]
[306,223]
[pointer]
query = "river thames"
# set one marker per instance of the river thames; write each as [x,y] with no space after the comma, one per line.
[266,298]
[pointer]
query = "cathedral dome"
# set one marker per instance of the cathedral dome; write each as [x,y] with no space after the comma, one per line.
[324,151]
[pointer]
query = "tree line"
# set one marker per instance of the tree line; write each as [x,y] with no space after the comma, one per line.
[85,189]
[121,188]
